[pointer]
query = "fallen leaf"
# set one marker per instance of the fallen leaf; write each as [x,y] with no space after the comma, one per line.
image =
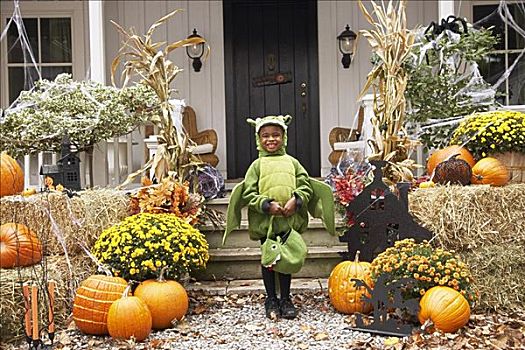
[391,341]
[156,343]
[321,336]
[253,327]
[275,331]
[500,342]
[200,308]
[305,327]
[64,338]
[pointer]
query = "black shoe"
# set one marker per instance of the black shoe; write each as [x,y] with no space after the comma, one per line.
[287,309]
[271,305]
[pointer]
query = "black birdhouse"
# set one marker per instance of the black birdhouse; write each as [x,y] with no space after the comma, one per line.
[381,218]
[67,170]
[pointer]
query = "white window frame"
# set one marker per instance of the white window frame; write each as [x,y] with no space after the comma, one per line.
[470,15]
[45,9]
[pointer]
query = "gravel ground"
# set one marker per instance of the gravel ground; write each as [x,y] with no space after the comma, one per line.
[238,322]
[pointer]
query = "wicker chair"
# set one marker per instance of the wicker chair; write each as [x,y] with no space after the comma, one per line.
[339,134]
[206,140]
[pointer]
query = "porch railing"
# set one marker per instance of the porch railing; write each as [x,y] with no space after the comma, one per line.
[113,160]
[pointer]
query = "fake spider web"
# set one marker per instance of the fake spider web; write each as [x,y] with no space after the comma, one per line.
[476,90]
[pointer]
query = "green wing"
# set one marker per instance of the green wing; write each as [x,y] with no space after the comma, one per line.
[321,205]
[233,214]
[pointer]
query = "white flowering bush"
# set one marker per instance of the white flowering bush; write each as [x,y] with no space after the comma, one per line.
[87,111]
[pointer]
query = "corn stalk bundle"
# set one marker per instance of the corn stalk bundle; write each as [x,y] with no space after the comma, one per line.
[391,44]
[146,59]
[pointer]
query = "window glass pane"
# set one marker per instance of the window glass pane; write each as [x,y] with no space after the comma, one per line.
[492,67]
[18,80]
[487,16]
[50,73]
[516,41]
[517,81]
[56,40]
[14,47]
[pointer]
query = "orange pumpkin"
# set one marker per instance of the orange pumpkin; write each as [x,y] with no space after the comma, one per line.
[19,246]
[11,176]
[93,300]
[166,299]
[344,295]
[446,153]
[129,317]
[445,307]
[490,171]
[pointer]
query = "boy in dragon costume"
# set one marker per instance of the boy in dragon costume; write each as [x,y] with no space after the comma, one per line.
[279,195]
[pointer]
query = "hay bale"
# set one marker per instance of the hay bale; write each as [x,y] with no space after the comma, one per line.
[52,268]
[463,218]
[499,272]
[486,227]
[62,221]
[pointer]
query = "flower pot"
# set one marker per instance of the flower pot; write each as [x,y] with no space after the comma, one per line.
[515,162]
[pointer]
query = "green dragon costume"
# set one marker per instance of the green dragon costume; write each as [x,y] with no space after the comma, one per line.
[277,176]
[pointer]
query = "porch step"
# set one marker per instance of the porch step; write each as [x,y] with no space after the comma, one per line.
[315,235]
[245,263]
[255,286]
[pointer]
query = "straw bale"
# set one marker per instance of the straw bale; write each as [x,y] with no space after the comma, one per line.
[464,218]
[499,273]
[62,221]
[52,268]
[486,227]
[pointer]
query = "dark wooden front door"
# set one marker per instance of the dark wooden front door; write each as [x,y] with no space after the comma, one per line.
[271,68]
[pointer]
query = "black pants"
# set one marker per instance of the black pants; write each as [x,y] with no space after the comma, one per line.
[268,275]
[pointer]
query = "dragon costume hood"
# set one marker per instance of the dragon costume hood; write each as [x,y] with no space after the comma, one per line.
[280,120]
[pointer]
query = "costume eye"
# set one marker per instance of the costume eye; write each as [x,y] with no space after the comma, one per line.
[274,246]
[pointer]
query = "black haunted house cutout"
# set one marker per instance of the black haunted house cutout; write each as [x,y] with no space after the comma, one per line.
[381,218]
[67,170]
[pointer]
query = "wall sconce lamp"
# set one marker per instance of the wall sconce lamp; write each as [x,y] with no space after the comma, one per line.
[195,51]
[347,40]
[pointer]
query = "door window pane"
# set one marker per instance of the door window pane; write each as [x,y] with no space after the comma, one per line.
[55,40]
[20,78]
[15,54]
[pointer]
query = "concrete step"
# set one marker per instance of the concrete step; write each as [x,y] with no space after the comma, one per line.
[315,235]
[245,263]
[255,286]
